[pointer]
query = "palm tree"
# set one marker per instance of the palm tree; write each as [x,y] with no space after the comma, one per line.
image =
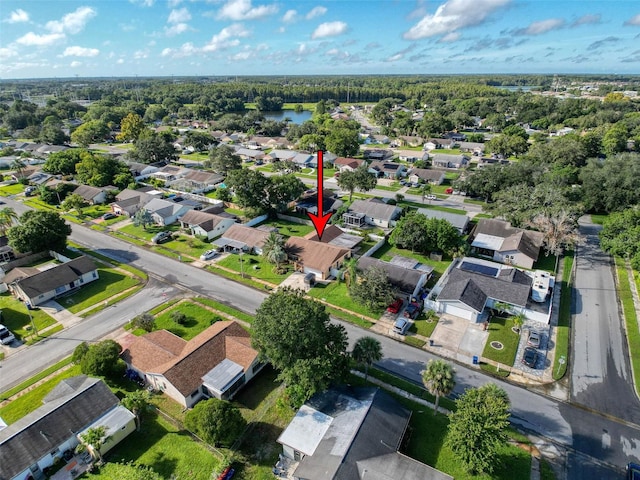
[351,271]
[137,402]
[518,319]
[273,250]
[439,378]
[366,351]
[8,217]
[95,438]
[425,189]
[18,165]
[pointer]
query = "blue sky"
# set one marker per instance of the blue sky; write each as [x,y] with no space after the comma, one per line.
[64,38]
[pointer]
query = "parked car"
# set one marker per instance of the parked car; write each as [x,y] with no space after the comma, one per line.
[395,306]
[534,339]
[178,199]
[30,191]
[431,197]
[208,255]
[412,310]
[401,325]
[161,237]
[530,357]
[109,216]
[449,191]
[6,337]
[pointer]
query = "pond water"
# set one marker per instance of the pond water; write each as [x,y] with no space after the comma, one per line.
[297,118]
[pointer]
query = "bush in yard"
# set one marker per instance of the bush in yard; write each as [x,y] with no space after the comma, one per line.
[79,353]
[102,359]
[146,322]
[215,319]
[178,317]
[217,422]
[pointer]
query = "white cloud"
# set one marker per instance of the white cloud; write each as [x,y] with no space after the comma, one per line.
[633,21]
[75,64]
[186,50]
[120,61]
[176,29]
[228,37]
[244,10]
[316,12]
[586,20]
[73,22]
[179,16]
[18,16]
[450,37]
[34,40]
[138,54]
[289,16]
[7,52]
[174,3]
[240,56]
[80,52]
[329,29]
[543,26]
[454,15]
[144,3]
[152,43]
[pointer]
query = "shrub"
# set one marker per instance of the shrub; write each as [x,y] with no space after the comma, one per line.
[178,317]
[146,321]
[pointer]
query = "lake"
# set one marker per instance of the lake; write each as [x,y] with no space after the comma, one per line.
[297,118]
[515,88]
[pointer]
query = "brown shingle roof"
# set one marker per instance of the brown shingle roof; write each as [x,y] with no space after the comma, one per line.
[525,241]
[315,255]
[427,175]
[351,162]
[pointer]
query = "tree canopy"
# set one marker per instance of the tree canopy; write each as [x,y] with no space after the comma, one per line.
[223,159]
[421,234]
[102,358]
[152,148]
[217,422]
[620,235]
[100,171]
[372,288]
[39,230]
[295,334]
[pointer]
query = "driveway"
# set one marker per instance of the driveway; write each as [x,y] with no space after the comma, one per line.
[458,338]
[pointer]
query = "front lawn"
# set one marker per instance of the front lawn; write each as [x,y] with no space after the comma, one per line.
[563,330]
[151,230]
[255,266]
[500,331]
[7,190]
[423,327]
[110,283]
[407,203]
[198,320]
[290,229]
[338,294]
[16,317]
[188,245]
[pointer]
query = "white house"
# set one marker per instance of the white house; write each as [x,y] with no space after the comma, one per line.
[206,224]
[165,212]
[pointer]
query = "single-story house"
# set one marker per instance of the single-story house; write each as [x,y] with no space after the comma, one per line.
[304,160]
[197,181]
[488,161]
[308,203]
[410,141]
[380,139]
[458,220]
[91,195]
[439,143]
[48,149]
[425,175]
[371,212]
[26,172]
[379,154]
[280,155]
[333,235]
[402,274]
[240,238]
[472,147]
[34,287]
[390,170]
[128,202]
[249,154]
[350,434]
[443,160]
[472,285]
[39,178]
[321,259]
[458,137]
[344,164]
[412,156]
[503,243]
[165,212]
[168,173]
[216,363]
[140,171]
[76,404]
[205,224]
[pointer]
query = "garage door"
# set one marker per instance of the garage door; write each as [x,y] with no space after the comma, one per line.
[317,273]
[459,312]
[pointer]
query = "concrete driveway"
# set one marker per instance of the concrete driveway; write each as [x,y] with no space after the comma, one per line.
[458,338]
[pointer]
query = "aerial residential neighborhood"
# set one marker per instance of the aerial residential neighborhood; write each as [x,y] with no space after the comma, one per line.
[216,271]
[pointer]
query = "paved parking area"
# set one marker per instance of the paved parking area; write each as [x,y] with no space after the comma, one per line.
[461,337]
[542,362]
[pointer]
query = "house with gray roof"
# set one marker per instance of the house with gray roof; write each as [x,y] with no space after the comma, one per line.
[444,160]
[371,212]
[503,243]
[405,274]
[240,238]
[34,287]
[390,170]
[128,201]
[461,222]
[34,442]
[426,175]
[165,212]
[470,286]
[91,195]
[346,433]
[206,224]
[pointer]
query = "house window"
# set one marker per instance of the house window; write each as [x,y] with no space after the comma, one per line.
[94,275]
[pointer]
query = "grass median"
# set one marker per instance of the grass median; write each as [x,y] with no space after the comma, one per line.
[564,318]
[630,318]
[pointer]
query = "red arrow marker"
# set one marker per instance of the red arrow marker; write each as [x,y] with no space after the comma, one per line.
[320,220]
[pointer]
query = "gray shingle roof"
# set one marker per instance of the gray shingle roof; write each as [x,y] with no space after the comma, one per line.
[378,210]
[457,220]
[404,279]
[48,280]
[525,241]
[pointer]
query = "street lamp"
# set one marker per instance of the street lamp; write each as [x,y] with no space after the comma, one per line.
[241,265]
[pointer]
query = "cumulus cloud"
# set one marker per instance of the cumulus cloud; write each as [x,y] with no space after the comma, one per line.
[75,64]
[228,37]
[138,54]
[635,20]
[450,37]
[601,43]
[174,3]
[176,29]
[73,22]
[120,61]
[34,40]
[329,29]
[143,3]
[18,16]
[186,50]
[7,52]
[80,52]
[315,12]
[543,26]
[289,16]
[244,10]
[586,20]
[179,16]
[454,15]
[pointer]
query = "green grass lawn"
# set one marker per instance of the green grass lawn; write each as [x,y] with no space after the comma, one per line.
[387,252]
[447,151]
[337,294]
[188,245]
[38,204]
[109,284]
[500,331]
[423,327]
[28,402]
[289,229]
[563,329]
[630,318]
[389,188]
[225,308]
[198,320]
[36,378]
[16,317]
[167,449]
[151,230]
[7,190]
[432,206]
[255,266]
[546,262]
[599,219]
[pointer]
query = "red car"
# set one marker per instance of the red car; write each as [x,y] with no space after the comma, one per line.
[395,306]
[449,191]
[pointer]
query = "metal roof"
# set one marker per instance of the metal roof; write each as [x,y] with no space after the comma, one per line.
[490,242]
[306,430]
[223,375]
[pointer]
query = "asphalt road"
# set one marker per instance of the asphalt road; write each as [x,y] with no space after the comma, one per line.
[600,371]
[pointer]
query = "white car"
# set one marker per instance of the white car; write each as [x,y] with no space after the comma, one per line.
[208,255]
[431,197]
[6,337]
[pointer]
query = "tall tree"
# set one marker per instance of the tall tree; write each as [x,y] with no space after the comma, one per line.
[342,141]
[73,202]
[137,402]
[367,350]
[103,359]
[223,159]
[295,334]
[8,217]
[559,230]
[131,127]
[250,187]
[143,218]
[273,249]
[282,190]
[100,171]
[439,379]
[359,178]
[18,165]
[153,148]
[64,163]
[89,132]
[39,230]
[217,422]
[372,289]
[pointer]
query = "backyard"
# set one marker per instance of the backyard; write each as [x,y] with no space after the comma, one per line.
[289,229]
[337,293]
